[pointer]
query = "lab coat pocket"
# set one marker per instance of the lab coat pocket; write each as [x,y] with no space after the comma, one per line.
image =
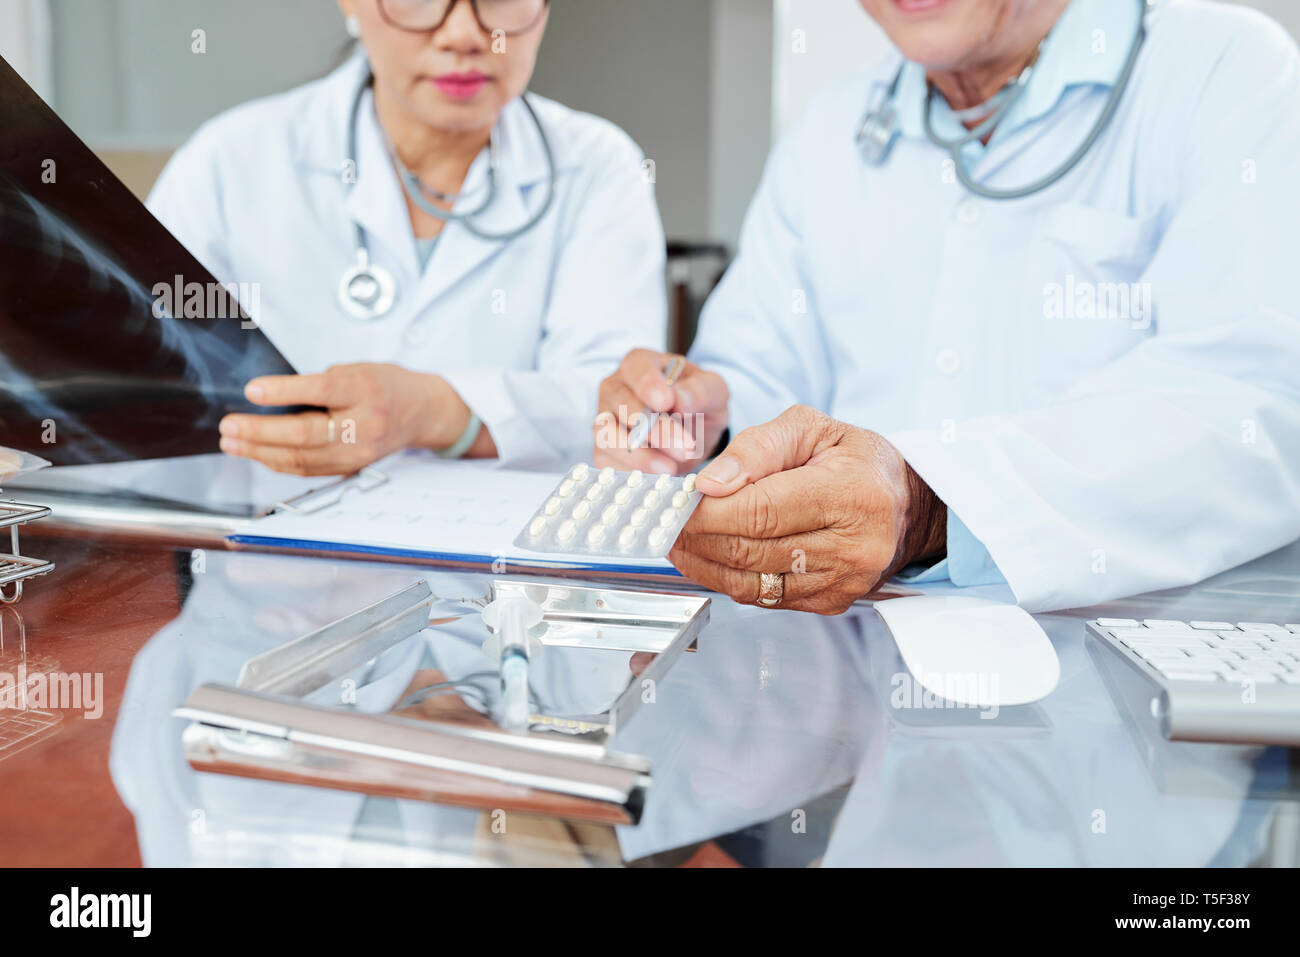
[1086,300]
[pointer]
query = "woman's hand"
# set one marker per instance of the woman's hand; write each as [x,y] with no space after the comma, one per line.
[833,507]
[695,407]
[373,410]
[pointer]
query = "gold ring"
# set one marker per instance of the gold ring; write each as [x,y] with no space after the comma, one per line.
[771,588]
[332,430]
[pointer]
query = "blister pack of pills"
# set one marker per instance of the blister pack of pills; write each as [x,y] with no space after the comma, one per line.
[607,512]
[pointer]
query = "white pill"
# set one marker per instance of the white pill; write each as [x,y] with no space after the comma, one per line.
[581,511]
[538,526]
[637,517]
[565,489]
[594,493]
[626,537]
[610,515]
[607,475]
[663,482]
[659,538]
[688,483]
[635,479]
[579,473]
[568,529]
[622,496]
[596,534]
[553,505]
[669,517]
[680,499]
[651,499]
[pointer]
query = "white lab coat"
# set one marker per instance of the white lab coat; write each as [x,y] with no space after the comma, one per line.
[522,329]
[1092,458]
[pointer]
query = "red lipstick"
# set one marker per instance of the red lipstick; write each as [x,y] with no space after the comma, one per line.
[461,86]
[919,6]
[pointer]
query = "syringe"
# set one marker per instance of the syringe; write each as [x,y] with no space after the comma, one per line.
[511,619]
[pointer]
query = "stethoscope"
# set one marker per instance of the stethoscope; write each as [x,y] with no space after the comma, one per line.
[368,290]
[879,128]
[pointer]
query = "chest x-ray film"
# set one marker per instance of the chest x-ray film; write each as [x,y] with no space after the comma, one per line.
[115,343]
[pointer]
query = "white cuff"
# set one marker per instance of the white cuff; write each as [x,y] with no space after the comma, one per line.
[533,439]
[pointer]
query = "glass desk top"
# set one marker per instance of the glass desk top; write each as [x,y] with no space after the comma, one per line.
[784,740]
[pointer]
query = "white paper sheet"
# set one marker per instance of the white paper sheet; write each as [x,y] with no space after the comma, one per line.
[435,509]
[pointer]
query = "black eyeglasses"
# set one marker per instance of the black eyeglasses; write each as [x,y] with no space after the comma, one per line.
[510,17]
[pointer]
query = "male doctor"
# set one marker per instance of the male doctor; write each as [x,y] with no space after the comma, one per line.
[1087,388]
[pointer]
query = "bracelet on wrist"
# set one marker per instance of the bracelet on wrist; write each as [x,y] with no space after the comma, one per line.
[467,438]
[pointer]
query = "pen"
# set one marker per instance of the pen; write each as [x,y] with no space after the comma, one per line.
[637,437]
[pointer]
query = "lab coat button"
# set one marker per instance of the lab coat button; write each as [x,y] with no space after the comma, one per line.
[968,211]
[415,337]
[947,361]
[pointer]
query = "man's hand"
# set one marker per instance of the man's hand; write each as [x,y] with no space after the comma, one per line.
[832,506]
[696,408]
[373,410]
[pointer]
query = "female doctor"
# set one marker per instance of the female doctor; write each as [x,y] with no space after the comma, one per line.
[451,264]
[1026,294]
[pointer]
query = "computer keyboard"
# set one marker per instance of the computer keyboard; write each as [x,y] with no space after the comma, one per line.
[1217,681]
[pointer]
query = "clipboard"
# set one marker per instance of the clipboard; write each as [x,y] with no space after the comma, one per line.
[390,512]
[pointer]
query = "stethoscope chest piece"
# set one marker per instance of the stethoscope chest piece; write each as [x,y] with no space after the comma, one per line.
[367,291]
[876,135]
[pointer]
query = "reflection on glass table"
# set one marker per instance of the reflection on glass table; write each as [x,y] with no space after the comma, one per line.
[781,741]
[24,720]
[544,750]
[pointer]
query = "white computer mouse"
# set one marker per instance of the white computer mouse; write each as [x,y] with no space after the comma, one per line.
[972,651]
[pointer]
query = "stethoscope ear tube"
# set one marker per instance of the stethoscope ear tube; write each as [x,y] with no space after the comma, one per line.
[411,183]
[877,123]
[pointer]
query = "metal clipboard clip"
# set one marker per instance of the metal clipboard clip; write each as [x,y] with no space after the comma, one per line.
[317,500]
